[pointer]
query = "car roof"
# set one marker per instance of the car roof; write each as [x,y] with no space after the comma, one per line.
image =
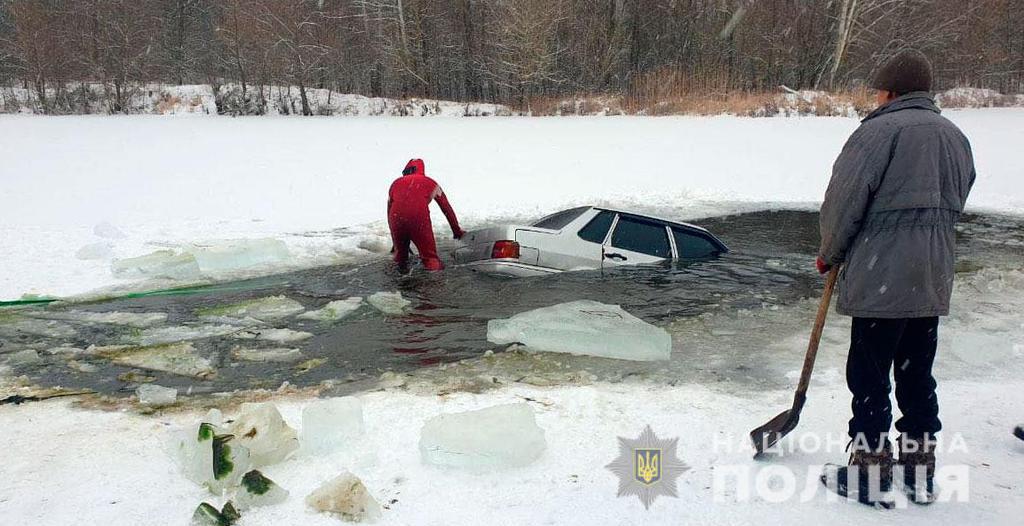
[655,218]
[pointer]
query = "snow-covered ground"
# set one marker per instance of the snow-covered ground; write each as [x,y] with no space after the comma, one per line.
[81,192]
[128,186]
[64,466]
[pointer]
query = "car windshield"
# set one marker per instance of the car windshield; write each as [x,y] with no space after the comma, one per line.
[558,220]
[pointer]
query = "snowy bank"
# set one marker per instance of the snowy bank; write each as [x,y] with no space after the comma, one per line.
[82,192]
[228,99]
[113,470]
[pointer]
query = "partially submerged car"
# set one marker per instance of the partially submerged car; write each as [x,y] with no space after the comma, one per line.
[583,238]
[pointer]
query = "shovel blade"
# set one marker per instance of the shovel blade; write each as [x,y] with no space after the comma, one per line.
[769,434]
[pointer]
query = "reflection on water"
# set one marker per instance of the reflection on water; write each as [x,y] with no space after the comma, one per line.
[770,266]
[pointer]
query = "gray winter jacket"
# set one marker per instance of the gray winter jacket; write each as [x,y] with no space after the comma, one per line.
[889,215]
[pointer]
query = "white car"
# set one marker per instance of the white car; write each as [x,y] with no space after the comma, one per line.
[584,238]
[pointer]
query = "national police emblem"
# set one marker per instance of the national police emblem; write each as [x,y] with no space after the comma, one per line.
[647,467]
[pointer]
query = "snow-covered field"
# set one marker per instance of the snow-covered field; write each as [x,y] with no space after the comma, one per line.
[81,192]
[108,188]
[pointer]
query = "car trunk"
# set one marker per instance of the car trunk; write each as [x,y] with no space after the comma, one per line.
[478,245]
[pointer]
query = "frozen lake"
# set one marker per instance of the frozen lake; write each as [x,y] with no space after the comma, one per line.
[717,310]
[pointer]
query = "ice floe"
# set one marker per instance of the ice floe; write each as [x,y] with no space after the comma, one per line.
[585,328]
[273,354]
[261,429]
[389,302]
[264,309]
[495,437]
[330,424]
[174,358]
[346,496]
[334,310]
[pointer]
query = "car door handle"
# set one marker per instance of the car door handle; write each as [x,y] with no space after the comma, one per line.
[615,256]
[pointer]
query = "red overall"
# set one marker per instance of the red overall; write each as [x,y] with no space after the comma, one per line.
[409,215]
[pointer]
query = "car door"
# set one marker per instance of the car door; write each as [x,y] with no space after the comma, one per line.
[636,241]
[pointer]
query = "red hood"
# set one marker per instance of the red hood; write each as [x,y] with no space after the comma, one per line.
[414,166]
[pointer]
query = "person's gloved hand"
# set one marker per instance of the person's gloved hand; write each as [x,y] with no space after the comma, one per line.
[459,233]
[823,267]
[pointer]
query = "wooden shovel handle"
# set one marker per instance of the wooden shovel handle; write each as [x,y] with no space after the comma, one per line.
[812,345]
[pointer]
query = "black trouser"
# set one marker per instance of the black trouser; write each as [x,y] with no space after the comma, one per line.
[875,346]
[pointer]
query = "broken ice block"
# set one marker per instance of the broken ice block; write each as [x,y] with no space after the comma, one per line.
[261,429]
[209,457]
[156,395]
[100,250]
[160,264]
[207,515]
[272,335]
[329,424]
[25,358]
[161,335]
[107,230]
[389,302]
[176,358]
[230,461]
[131,319]
[265,309]
[584,327]
[277,354]
[334,310]
[238,254]
[15,325]
[346,496]
[257,490]
[495,437]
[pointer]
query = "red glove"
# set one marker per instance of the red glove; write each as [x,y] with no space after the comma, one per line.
[823,267]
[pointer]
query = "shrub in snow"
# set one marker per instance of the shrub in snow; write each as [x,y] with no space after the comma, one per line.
[345,495]
[496,437]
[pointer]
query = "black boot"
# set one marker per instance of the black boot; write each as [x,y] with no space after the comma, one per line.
[868,477]
[917,459]
[1019,432]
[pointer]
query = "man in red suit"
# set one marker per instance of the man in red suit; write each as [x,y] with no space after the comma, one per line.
[409,215]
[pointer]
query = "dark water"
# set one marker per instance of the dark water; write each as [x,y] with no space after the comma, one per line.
[771,260]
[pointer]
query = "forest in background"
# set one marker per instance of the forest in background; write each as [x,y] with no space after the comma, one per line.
[520,53]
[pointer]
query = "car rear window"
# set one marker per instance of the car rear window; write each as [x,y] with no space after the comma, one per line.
[597,228]
[693,244]
[558,220]
[641,236]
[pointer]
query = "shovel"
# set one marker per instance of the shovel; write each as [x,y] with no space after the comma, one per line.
[768,435]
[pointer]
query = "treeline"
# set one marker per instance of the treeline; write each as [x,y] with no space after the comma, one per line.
[506,51]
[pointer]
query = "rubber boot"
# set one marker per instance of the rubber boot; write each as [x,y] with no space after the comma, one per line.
[917,459]
[867,477]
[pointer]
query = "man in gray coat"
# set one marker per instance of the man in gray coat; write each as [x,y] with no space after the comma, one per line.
[889,214]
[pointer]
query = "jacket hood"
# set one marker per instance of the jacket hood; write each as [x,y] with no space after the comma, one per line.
[915,100]
[414,167]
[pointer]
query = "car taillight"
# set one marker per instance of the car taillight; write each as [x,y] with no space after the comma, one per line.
[505,250]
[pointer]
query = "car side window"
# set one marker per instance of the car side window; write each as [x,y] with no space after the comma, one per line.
[597,228]
[693,244]
[641,236]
